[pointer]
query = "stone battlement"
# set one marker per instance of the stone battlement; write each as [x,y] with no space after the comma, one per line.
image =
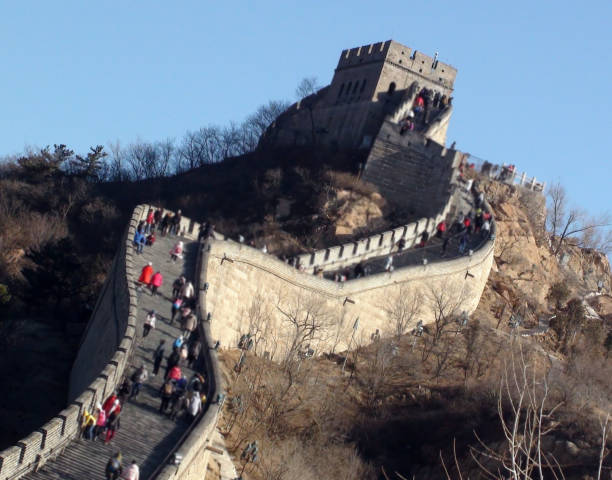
[401,56]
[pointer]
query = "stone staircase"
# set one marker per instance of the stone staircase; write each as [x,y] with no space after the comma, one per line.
[144,435]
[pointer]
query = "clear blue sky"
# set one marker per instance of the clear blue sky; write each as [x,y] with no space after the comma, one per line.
[533,86]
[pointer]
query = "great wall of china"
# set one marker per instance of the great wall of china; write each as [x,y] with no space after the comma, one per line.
[413,168]
[234,273]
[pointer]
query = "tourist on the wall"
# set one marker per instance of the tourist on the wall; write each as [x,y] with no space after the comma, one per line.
[111,404]
[124,390]
[146,274]
[157,218]
[100,421]
[189,323]
[172,361]
[486,229]
[401,244]
[88,425]
[187,291]
[183,353]
[149,221]
[138,378]
[149,323]
[195,348]
[176,223]
[440,229]
[150,239]
[139,241]
[177,286]
[463,242]
[174,309]
[158,356]
[389,264]
[112,425]
[175,373]
[424,240]
[165,224]
[176,252]
[359,270]
[167,390]
[156,282]
[132,472]
[194,404]
[113,467]
[445,244]
[178,402]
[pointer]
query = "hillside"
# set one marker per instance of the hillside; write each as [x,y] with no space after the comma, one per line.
[60,232]
[401,404]
[400,401]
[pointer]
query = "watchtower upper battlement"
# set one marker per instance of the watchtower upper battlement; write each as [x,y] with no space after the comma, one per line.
[402,57]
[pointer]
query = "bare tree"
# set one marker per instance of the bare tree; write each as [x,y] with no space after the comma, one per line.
[308,87]
[258,316]
[526,413]
[403,308]
[565,222]
[307,320]
[257,123]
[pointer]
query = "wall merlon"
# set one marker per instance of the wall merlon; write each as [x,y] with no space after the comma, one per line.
[363,54]
[52,433]
[9,460]
[30,447]
[125,345]
[71,417]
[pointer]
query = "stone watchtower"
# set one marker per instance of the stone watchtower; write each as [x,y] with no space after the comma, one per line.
[369,83]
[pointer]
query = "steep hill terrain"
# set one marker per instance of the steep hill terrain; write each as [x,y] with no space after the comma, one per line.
[392,405]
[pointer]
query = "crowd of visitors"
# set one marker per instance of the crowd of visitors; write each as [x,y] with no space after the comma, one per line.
[181,394]
[426,106]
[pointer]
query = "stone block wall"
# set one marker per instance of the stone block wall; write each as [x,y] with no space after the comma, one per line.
[241,277]
[411,171]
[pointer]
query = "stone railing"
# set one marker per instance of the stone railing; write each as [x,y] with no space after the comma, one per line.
[118,300]
[376,245]
[505,173]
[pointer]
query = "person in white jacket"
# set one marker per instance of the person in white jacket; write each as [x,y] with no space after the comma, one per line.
[132,472]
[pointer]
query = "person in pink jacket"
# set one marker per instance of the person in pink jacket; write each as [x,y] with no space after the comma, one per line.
[156,282]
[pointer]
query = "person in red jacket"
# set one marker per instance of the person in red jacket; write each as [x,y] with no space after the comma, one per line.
[149,221]
[156,282]
[147,274]
[440,229]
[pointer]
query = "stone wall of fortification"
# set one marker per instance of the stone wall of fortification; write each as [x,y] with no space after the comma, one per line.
[248,291]
[98,367]
[410,170]
[383,243]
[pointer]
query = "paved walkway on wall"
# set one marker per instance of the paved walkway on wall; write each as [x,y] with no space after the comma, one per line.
[145,435]
[431,253]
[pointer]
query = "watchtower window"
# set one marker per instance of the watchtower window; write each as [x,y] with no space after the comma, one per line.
[341,90]
[391,88]
[348,88]
[362,86]
[355,87]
